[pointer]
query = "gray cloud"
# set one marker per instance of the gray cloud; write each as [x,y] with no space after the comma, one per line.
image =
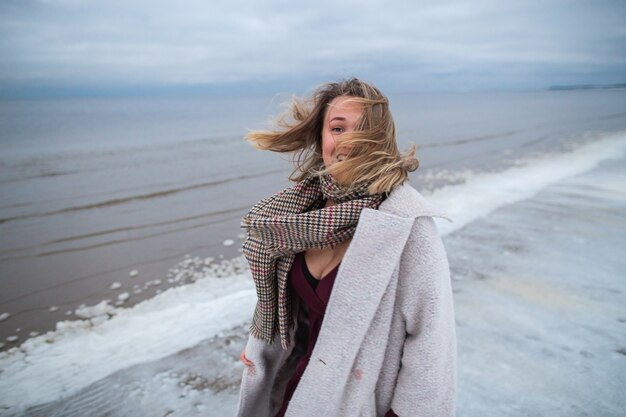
[422,44]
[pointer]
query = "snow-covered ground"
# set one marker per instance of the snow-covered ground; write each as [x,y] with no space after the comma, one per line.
[538,264]
[539,289]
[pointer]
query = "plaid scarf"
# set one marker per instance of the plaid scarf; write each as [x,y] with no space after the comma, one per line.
[289,222]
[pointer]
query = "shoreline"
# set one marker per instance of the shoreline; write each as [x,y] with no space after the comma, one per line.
[81,215]
[494,294]
[510,313]
[484,192]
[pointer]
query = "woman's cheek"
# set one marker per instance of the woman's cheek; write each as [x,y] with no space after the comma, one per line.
[328,146]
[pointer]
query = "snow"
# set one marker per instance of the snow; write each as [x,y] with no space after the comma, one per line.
[78,353]
[482,194]
[102,308]
[217,298]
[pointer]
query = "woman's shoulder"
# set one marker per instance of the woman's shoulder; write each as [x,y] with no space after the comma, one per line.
[406,201]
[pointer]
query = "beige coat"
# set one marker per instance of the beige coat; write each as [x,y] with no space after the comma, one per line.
[388,337]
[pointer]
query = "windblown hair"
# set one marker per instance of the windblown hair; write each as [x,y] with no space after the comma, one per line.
[373,158]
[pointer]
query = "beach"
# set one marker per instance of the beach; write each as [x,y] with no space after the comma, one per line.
[106,200]
[125,291]
[540,317]
[538,288]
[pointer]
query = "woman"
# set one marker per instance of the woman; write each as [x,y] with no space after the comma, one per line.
[355,314]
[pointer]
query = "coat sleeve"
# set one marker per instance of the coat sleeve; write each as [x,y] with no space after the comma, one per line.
[426,383]
[255,393]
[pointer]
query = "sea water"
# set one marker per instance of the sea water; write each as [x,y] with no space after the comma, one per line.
[93,190]
[108,202]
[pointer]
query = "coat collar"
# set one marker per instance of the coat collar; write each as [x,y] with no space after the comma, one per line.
[406,201]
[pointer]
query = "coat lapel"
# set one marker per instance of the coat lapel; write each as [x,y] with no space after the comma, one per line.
[367,267]
[362,279]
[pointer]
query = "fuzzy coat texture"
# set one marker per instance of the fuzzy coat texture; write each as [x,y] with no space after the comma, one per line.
[388,339]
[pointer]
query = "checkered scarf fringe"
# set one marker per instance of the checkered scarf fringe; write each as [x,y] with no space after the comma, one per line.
[289,222]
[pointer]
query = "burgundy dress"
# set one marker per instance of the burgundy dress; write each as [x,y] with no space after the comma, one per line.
[315,295]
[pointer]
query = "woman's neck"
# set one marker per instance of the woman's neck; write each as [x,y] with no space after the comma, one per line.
[329,203]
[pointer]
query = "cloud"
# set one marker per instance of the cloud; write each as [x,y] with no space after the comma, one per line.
[197,42]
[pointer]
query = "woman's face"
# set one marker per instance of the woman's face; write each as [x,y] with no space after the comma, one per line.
[341,117]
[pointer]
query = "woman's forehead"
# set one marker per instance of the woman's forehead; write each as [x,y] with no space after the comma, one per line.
[344,106]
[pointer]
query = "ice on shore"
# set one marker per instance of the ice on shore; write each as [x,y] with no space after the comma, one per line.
[541,319]
[78,353]
[536,292]
[482,194]
[100,309]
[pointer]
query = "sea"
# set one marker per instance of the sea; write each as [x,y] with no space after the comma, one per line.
[120,238]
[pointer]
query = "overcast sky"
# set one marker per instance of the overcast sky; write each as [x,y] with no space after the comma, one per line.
[130,45]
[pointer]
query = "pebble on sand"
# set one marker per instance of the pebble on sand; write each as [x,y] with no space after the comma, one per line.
[115,285]
[4,316]
[133,273]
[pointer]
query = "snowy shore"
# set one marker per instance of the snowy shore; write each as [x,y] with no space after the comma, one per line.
[538,280]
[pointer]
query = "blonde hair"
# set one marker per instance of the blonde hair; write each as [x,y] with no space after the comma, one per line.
[373,158]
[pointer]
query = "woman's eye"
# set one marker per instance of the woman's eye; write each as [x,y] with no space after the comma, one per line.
[336,129]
